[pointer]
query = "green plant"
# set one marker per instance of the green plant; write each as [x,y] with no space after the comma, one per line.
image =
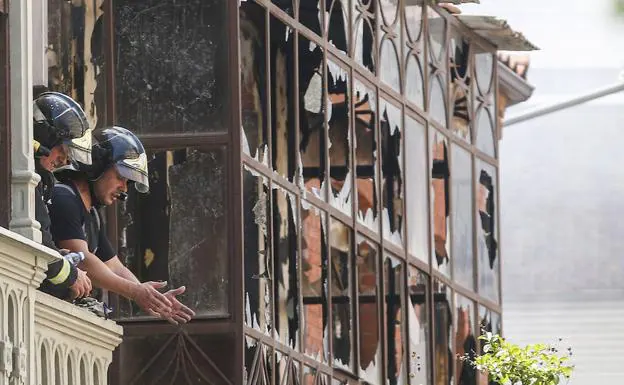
[510,364]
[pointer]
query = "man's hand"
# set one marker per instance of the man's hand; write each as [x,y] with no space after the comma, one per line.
[150,299]
[180,313]
[82,286]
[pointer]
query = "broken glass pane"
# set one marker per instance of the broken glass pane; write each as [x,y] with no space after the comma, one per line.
[414,82]
[489,320]
[368,302]
[364,38]
[442,334]
[389,64]
[392,172]
[75,56]
[341,272]
[321,379]
[338,24]
[340,141]
[309,375]
[485,132]
[285,266]
[267,367]
[440,183]
[419,328]
[461,170]
[458,56]
[460,86]
[314,279]
[437,100]
[285,5]
[462,112]
[257,251]
[295,373]
[365,104]
[416,189]
[437,36]
[312,107]
[178,232]
[465,340]
[281,368]
[310,15]
[414,19]
[487,232]
[282,55]
[251,347]
[393,307]
[253,80]
[484,68]
[172,65]
[389,10]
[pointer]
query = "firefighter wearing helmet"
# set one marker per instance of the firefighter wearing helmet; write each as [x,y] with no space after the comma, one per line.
[61,135]
[119,160]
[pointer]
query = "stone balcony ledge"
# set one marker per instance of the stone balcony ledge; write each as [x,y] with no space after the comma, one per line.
[44,340]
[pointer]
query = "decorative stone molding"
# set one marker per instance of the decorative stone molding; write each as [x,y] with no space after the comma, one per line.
[75,335]
[23,177]
[20,364]
[6,357]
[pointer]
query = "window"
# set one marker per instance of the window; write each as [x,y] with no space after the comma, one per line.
[364,184]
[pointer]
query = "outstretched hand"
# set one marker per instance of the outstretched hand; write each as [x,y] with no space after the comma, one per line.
[147,296]
[176,313]
[180,313]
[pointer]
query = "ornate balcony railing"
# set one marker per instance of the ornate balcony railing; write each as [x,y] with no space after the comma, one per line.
[44,340]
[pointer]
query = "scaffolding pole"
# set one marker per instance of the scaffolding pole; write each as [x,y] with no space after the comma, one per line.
[580,99]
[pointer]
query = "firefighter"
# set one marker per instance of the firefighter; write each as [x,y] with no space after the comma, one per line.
[60,134]
[119,159]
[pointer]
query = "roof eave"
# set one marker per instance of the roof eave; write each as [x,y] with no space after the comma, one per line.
[515,88]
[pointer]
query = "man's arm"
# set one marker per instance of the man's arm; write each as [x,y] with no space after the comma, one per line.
[144,294]
[121,270]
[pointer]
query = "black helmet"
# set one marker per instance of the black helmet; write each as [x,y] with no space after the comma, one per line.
[119,147]
[58,119]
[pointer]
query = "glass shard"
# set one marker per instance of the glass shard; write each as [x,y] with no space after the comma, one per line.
[462,240]
[416,187]
[440,196]
[487,231]
[365,105]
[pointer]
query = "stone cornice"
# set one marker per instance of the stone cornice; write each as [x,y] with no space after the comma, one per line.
[513,86]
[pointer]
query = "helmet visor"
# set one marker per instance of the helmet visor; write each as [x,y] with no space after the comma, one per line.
[80,149]
[135,170]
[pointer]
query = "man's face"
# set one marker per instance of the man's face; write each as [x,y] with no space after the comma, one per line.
[59,156]
[109,186]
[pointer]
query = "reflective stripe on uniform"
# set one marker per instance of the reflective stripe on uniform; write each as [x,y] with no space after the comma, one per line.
[62,275]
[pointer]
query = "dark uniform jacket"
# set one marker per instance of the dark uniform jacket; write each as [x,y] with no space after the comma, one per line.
[61,274]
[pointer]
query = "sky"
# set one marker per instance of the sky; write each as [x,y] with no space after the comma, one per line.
[583,33]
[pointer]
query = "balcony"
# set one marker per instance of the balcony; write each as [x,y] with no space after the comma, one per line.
[44,340]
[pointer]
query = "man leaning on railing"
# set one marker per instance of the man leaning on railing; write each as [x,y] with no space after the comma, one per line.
[61,134]
[119,160]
